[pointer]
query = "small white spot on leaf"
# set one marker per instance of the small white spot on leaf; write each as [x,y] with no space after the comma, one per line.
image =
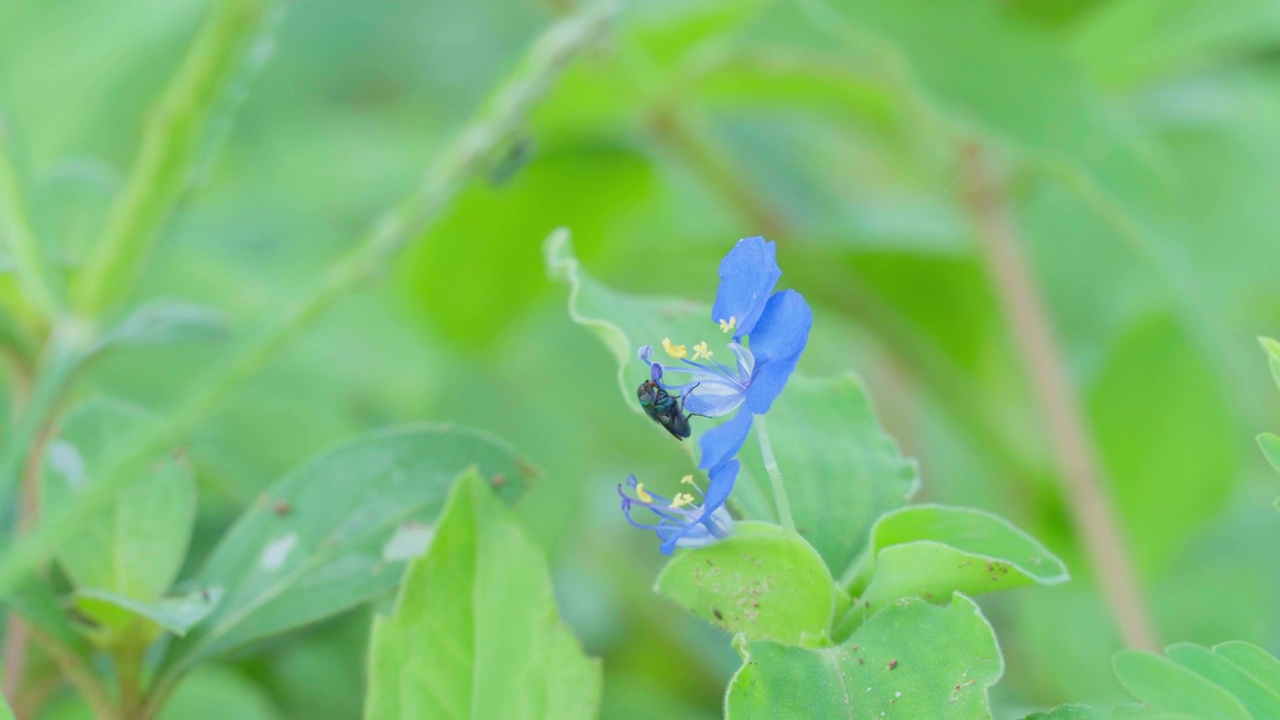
[411,540]
[65,459]
[274,555]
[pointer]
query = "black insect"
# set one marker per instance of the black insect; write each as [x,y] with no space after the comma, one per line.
[664,409]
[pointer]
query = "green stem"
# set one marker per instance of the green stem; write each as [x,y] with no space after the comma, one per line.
[502,120]
[38,284]
[775,476]
[170,147]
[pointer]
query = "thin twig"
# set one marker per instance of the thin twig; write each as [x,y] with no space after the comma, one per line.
[1092,512]
[74,668]
[17,636]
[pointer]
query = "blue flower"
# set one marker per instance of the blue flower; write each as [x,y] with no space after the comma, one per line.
[776,328]
[682,522]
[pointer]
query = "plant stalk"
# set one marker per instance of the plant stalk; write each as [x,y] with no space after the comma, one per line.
[1091,508]
[170,148]
[775,476]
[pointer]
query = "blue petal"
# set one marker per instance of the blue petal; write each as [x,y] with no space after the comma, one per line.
[721,443]
[747,276]
[713,399]
[777,342]
[697,533]
[720,484]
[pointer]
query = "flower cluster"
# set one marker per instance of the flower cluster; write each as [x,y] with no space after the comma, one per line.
[770,331]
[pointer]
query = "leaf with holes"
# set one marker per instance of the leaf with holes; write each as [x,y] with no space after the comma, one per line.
[911,660]
[336,532]
[135,546]
[761,581]
[930,551]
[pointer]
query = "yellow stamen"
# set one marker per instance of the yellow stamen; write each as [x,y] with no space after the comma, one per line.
[644,496]
[700,351]
[727,325]
[687,479]
[678,352]
[681,500]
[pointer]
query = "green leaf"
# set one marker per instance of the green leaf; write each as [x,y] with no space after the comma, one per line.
[612,179]
[135,546]
[983,69]
[762,582]
[623,322]
[6,713]
[215,693]
[1259,663]
[1164,685]
[337,531]
[38,605]
[1270,445]
[1134,42]
[842,470]
[1188,439]
[930,551]
[912,660]
[1257,699]
[174,614]
[475,633]
[1272,347]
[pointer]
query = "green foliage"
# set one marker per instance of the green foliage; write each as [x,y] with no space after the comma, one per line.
[912,659]
[622,322]
[1231,680]
[155,190]
[761,582]
[337,532]
[843,470]
[135,547]
[931,551]
[475,632]
[1170,686]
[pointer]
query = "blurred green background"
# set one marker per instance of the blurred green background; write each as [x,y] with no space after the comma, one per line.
[1139,140]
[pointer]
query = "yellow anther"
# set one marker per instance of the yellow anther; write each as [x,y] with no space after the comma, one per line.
[678,352]
[644,496]
[687,480]
[727,325]
[700,351]
[681,500]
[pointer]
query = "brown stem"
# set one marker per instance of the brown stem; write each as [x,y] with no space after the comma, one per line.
[17,635]
[128,662]
[1090,506]
[73,667]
